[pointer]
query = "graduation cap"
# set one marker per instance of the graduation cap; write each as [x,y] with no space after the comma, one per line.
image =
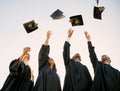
[58,14]
[30,26]
[76,20]
[98,12]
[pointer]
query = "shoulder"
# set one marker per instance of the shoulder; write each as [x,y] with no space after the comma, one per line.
[84,67]
[116,70]
[13,61]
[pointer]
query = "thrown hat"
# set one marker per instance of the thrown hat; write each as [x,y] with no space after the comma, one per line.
[98,12]
[58,14]
[76,20]
[30,26]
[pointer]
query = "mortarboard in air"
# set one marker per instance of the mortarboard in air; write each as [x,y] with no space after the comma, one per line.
[98,12]
[30,26]
[76,20]
[58,14]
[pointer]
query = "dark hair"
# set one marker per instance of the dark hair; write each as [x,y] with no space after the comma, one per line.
[76,55]
[105,58]
[54,68]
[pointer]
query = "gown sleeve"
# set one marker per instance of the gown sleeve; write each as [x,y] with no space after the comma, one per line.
[43,55]
[66,54]
[92,55]
[15,69]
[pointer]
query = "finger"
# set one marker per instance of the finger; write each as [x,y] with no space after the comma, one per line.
[49,33]
[72,31]
[85,32]
[27,48]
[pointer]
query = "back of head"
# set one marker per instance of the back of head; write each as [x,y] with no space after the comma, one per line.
[105,59]
[52,64]
[77,57]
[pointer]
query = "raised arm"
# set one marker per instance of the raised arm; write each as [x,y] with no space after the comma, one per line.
[44,52]
[92,53]
[22,57]
[66,49]
[16,66]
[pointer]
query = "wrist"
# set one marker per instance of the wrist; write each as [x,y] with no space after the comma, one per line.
[68,39]
[47,38]
[89,40]
[69,36]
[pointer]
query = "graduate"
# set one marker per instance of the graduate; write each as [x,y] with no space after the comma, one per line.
[77,77]
[106,78]
[20,77]
[48,79]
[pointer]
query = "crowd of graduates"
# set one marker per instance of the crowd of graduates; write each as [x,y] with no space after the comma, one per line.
[77,76]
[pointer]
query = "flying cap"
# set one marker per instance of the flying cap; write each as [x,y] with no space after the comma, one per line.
[58,14]
[98,12]
[76,20]
[30,26]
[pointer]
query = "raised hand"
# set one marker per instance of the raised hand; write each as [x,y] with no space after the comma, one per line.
[48,37]
[26,49]
[87,36]
[24,54]
[49,34]
[70,32]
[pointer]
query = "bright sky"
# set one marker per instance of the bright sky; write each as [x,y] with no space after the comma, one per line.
[105,33]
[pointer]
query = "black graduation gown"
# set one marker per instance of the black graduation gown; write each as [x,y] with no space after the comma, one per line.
[47,79]
[77,76]
[106,77]
[19,78]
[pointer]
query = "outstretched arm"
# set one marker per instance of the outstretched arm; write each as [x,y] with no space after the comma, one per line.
[16,66]
[92,53]
[66,49]
[44,51]
[47,38]
[25,51]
